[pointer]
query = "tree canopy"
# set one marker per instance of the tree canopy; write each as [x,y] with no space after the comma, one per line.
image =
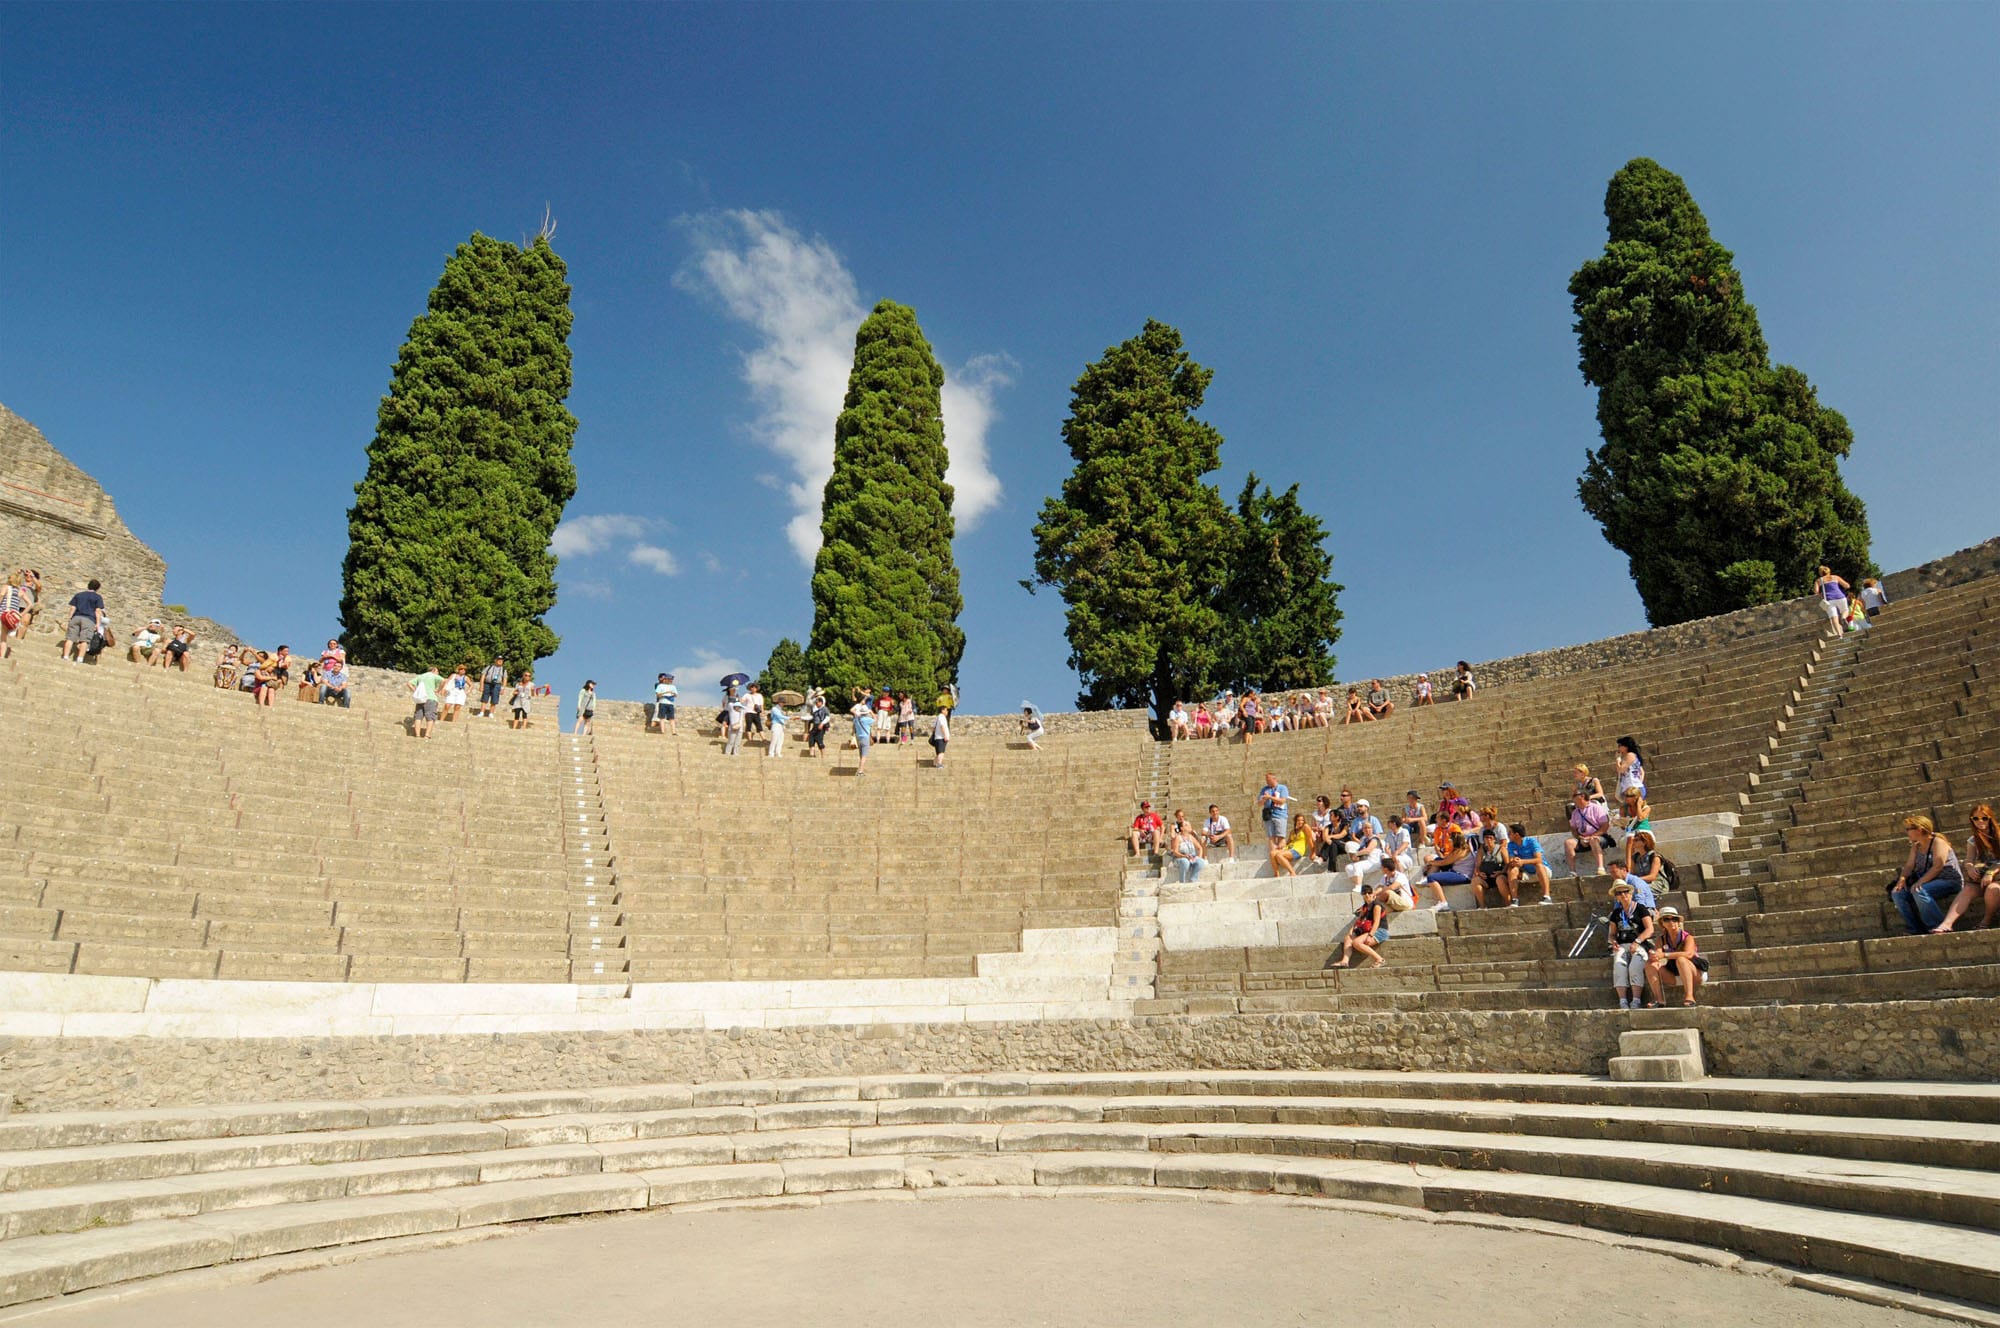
[1719,474]
[885,589]
[448,540]
[786,669]
[1168,590]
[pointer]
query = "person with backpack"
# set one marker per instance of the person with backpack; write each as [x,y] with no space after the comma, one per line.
[86,624]
[1644,868]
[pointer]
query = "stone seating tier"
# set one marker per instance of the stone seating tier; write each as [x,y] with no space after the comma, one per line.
[1829,1183]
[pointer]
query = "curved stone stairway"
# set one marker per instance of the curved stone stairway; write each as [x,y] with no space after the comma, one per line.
[1887,1183]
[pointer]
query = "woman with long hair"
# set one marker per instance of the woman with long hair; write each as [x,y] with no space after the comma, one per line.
[1631,767]
[1982,871]
[1930,876]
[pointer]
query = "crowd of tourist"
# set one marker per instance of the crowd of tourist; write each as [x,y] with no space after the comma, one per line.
[1255,712]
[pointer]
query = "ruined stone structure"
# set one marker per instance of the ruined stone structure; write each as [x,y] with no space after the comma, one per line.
[57,519]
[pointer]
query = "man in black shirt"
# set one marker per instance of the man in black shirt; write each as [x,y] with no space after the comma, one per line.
[86,619]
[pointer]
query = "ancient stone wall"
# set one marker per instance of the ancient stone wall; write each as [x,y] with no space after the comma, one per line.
[1945,1039]
[57,519]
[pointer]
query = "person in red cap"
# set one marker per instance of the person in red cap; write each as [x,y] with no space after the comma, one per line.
[1146,830]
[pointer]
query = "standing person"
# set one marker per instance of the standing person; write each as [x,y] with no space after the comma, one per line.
[86,620]
[817,726]
[940,736]
[753,710]
[1631,768]
[1873,598]
[664,696]
[1631,924]
[586,708]
[776,746]
[522,700]
[1832,593]
[1273,808]
[735,719]
[13,612]
[491,679]
[864,733]
[906,719]
[424,692]
[455,688]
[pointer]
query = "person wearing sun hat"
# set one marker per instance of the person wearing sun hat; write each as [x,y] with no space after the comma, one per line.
[1631,927]
[1643,867]
[1676,958]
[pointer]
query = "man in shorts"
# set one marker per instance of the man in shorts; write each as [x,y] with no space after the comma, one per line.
[86,620]
[146,641]
[424,689]
[1147,830]
[1273,803]
[665,696]
[1216,833]
[1394,895]
[491,679]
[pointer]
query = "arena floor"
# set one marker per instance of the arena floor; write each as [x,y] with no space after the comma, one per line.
[1108,1263]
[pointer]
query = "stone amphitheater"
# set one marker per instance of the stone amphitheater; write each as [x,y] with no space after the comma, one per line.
[285,984]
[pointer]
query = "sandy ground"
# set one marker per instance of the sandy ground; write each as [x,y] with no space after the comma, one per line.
[967,1264]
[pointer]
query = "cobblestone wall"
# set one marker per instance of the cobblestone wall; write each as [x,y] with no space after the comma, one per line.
[56,518]
[1946,1039]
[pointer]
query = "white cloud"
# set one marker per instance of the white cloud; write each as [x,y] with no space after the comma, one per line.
[709,667]
[710,562]
[592,589]
[803,303]
[581,536]
[653,558]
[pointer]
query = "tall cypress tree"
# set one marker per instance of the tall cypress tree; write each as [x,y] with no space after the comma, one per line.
[885,588]
[448,539]
[1280,606]
[1719,477]
[1139,541]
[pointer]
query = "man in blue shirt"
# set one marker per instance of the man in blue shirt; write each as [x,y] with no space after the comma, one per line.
[1273,800]
[86,619]
[1524,859]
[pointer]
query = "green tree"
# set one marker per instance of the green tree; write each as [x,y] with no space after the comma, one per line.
[786,669]
[1138,541]
[885,588]
[448,539]
[1279,605]
[1719,476]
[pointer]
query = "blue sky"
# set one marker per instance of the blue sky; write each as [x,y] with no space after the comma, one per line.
[216,225]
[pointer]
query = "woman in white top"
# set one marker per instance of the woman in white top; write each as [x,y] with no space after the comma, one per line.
[1177,721]
[1631,768]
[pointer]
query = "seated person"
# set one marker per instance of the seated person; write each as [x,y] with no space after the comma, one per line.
[333,686]
[1643,868]
[174,655]
[1364,846]
[1524,862]
[309,681]
[1188,857]
[145,641]
[1589,820]
[1982,868]
[252,660]
[1179,724]
[1396,844]
[1453,866]
[1215,833]
[1364,935]
[1676,958]
[1635,811]
[226,669]
[1923,890]
[1394,893]
[1320,825]
[1463,685]
[1631,929]
[1204,722]
[1357,713]
[1490,871]
[1379,704]
[1289,854]
[1148,832]
[1421,693]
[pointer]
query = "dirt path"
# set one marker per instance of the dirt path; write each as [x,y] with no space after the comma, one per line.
[1105,1263]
